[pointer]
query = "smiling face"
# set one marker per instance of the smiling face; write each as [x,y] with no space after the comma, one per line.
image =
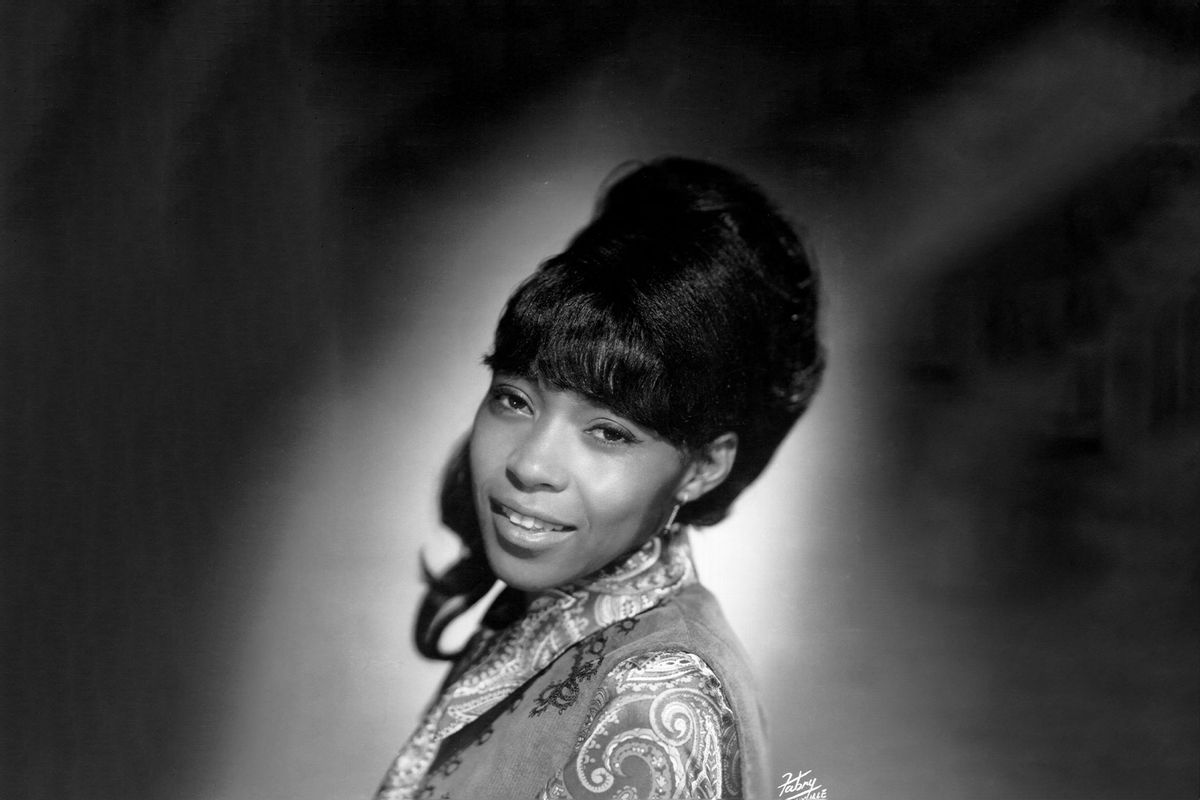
[564,486]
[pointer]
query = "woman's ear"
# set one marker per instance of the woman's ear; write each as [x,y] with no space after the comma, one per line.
[709,467]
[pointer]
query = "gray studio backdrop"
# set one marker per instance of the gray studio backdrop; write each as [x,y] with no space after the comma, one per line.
[253,251]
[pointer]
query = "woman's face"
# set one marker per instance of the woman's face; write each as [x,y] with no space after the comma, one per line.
[564,486]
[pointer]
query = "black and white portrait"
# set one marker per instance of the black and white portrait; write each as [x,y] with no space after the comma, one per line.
[931,269]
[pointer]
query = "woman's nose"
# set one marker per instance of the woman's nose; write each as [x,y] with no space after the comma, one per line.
[536,463]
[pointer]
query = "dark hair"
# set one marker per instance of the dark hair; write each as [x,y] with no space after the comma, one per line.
[688,304]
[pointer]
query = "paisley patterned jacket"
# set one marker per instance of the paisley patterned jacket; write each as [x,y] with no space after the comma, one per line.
[629,686]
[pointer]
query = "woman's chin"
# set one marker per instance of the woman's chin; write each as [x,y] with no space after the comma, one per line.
[529,571]
[524,577]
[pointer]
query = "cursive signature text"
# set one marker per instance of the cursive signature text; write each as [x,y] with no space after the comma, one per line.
[799,786]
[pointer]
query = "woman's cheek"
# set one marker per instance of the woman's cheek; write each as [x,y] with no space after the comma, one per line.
[487,447]
[618,497]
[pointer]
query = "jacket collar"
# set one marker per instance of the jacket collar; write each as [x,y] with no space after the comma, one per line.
[496,663]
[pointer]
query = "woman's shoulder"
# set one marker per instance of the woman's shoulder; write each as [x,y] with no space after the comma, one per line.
[666,709]
[690,622]
[679,663]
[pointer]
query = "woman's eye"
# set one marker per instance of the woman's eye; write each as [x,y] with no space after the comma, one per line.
[611,434]
[505,399]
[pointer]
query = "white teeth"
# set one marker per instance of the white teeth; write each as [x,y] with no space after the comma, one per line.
[529,523]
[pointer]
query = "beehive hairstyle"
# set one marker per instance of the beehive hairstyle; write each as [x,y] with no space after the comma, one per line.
[688,305]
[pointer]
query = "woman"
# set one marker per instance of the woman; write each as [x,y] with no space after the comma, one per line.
[640,381]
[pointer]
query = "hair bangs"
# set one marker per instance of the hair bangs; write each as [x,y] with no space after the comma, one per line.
[559,330]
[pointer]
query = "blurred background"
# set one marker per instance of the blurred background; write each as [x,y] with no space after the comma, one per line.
[251,255]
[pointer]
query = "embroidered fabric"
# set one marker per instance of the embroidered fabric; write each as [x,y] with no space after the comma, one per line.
[658,727]
[501,662]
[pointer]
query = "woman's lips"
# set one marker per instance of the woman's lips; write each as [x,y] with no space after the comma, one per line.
[528,520]
[527,530]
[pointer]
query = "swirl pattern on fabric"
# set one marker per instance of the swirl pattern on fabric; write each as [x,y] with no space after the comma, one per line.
[659,727]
